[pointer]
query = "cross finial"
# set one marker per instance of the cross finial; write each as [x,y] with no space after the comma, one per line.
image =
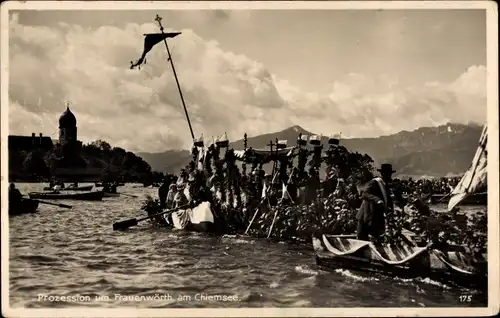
[271,144]
[158,19]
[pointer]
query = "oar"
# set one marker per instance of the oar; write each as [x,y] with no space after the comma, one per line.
[55,204]
[444,197]
[52,203]
[123,225]
[251,221]
[272,224]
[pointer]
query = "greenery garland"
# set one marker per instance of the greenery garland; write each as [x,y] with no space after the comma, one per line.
[335,213]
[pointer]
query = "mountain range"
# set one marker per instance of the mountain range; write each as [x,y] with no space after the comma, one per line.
[427,151]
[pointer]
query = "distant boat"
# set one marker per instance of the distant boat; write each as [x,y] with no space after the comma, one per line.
[473,199]
[101,184]
[25,206]
[86,196]
[111,195]
[474,180]
[70,188]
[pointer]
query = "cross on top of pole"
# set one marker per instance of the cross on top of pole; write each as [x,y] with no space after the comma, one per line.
[270,144]
[158,19]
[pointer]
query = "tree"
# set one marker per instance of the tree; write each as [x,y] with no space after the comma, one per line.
[35,166]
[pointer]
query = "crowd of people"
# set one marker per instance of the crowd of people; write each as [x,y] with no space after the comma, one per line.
[236,193]
[425,187]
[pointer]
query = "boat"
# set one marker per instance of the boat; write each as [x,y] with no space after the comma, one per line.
[455,264]
[111,195]
[25,206]
[472,199]
[100,184]
[70,188]
[86,196]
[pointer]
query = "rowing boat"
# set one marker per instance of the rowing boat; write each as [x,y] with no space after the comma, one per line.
[455,264]
[472,199]
[84,188]
[25,206]
[86,196]
[111,195]
[100,184]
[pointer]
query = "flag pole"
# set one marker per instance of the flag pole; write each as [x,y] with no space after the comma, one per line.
[158,19]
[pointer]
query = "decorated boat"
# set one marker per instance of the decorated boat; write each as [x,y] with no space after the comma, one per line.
[25,206]
[454,264]
[85,196]
[70,188]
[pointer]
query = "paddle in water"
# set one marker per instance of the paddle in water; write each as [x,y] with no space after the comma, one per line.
[52,203]
[123,225]
[55,204]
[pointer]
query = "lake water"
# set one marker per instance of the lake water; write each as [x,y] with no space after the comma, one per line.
[61,252]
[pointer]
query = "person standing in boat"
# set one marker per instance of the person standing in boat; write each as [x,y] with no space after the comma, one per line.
[376,203]
[15,196]
[56,188]
[52,183]
[180,198]
[114,187]
[172,191]
[163,191]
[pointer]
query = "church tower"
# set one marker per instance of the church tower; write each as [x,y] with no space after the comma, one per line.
[67,129]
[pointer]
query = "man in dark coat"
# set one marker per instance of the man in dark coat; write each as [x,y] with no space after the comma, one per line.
[15,195]
[377,201]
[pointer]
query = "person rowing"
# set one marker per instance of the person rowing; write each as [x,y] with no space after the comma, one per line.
[110,187]
[15,196]
[164,190]
[56,189]
[180,198]
[376,202]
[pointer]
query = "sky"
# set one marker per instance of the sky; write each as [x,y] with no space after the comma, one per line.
[363,73]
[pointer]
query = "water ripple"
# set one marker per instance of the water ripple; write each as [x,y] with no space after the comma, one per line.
[75,253]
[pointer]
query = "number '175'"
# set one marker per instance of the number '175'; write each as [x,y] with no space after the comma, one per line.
[465,298]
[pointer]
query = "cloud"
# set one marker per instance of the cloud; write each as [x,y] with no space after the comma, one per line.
[140,110]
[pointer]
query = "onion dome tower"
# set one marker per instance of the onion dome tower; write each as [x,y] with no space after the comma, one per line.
[67,128]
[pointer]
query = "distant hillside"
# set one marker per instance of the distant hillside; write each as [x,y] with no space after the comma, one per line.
[433,151]
[170,161]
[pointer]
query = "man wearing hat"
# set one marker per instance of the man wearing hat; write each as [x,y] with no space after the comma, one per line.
[377,201]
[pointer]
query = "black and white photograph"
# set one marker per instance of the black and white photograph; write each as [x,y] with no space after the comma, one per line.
[218,158]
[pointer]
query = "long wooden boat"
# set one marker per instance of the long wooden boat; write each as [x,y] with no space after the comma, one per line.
[25,206]
[86,196]
[473,199]
[84,188]
[455,265]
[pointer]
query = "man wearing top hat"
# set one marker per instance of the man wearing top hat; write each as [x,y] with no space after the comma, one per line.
[377,202]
